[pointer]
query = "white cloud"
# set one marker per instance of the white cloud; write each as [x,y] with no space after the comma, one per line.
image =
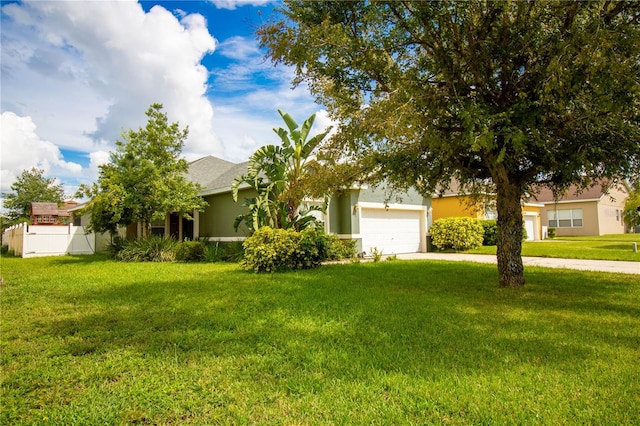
[240,48]
[232,4]
[101,65]
[22,149]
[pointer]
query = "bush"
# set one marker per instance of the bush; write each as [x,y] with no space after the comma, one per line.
[224,251]
[191,251]
[490,232]
[153,249]
[116,244]
[340,249]
[457,233]
[551,232]
[275,250]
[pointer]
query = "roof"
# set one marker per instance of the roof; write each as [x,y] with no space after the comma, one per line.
[42,209]
[207,169]
[215,174]
[545,195]
[48,209]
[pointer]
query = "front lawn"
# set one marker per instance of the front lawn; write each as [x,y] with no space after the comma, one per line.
[86,340]
[605,247]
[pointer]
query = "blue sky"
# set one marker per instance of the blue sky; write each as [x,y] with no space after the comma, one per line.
[75,74]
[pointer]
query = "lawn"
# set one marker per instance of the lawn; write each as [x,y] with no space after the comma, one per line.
[605,247]
[89,341]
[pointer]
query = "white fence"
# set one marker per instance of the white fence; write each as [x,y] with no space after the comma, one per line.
[41,240]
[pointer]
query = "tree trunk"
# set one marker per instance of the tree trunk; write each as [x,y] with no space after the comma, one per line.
[509,236]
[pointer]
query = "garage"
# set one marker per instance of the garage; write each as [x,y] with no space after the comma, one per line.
[530,227]
[392,231]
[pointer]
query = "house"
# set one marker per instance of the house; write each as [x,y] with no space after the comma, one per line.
[360,213]
[50,213]
[453,203]
[592,211]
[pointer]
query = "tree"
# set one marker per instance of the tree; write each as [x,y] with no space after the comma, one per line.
[31,186]
[145,178]
[514,95]
[280,176]
[632,206]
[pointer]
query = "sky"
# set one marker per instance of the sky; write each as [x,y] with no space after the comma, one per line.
[75,74]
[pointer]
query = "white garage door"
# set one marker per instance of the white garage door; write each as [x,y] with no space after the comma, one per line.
[530,226]
[390,231]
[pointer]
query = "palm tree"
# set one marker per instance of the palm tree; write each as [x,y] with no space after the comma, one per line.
[279,176]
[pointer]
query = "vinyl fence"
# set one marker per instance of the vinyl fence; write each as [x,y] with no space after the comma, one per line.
[39,240]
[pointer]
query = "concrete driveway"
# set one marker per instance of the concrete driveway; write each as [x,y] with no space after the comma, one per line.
[547,262]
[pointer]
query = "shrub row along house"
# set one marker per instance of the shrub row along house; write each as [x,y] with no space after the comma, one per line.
[363,214]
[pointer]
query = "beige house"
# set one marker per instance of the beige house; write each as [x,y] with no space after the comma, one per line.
[590,212]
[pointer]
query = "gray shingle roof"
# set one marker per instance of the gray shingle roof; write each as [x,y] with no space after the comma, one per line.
[215,174]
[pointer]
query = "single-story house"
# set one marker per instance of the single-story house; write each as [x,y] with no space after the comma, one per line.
[50,213]
[592,211]
[452,203]
[359,213]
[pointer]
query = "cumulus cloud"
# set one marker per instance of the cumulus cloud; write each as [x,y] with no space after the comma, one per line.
[23,148]
[232,4]
[113,60]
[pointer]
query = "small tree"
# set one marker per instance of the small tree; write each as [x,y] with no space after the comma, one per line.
[632,206]
[145,178]
[31,186]
[280,176]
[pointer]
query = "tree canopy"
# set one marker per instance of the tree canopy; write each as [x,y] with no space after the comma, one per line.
[31,186]
[145,178]
[280,176]
[515,95]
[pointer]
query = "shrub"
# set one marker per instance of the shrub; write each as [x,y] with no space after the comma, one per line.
[224,251]
[116,244]
[153,249]
[340,249]
[191,251]
[270,250]
[457,233]
[551,232]
[490,228]
[274,250]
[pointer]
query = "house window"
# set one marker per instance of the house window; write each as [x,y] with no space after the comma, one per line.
[569,218]
[490,211]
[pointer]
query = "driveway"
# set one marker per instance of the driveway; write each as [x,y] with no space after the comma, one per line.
[547,262]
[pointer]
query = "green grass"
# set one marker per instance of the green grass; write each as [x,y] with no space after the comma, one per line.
[89,341]
[606,247]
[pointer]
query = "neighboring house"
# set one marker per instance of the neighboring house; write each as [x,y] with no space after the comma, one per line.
[451,203]
[51,213]
[590,212]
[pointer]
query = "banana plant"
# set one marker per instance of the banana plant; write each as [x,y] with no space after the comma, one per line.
[278,174]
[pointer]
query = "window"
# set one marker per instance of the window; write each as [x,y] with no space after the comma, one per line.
[490,211]
[570,218]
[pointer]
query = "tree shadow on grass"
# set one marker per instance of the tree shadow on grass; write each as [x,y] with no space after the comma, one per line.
[401,316]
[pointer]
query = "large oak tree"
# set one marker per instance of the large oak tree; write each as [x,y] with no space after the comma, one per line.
[510,94]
